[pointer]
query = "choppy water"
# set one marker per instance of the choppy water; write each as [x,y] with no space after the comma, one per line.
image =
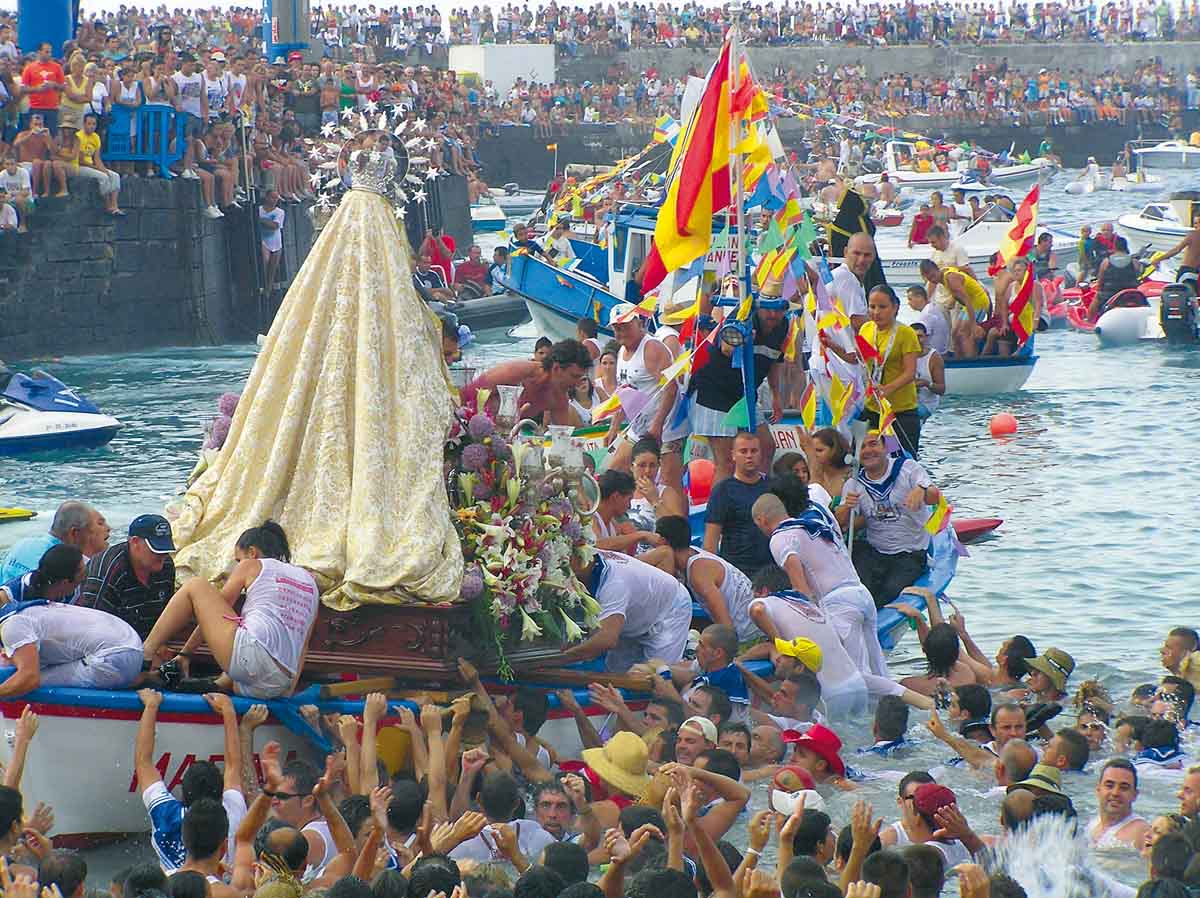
[1098,492]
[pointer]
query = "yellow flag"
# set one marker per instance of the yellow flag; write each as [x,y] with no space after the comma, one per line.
[808,406]
[681,315]
[677,367]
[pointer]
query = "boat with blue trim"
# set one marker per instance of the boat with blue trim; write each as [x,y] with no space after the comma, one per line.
[39,413]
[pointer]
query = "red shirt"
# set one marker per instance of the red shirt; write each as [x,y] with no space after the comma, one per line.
[922,222]
[471,271]
[35,75]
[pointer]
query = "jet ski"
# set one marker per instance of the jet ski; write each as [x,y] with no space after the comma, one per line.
[39,413]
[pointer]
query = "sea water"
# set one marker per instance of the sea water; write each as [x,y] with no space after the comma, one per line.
[1098,492]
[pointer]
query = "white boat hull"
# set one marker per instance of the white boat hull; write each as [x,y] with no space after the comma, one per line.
[25,430]
[1014,176]
[1160,235]
[1181,157]
[985,377]
[1127,327]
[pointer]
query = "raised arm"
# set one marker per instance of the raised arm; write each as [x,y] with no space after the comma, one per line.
[431,723]
[343,839]
[710,856]
[977,757]
[251,721]
[223,705]
[863,832]
[143,748]
[587,733]
[347,727]
[373,708]
[244,860]
[27,726]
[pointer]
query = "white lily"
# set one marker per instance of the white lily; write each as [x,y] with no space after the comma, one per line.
[518,449]
[466,483]
[513,487]
[591,608]
[570,629]
[529,627]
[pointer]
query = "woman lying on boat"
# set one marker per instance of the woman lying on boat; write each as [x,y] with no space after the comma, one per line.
[261,651]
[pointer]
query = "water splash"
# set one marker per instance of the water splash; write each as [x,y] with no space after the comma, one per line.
[1045,857]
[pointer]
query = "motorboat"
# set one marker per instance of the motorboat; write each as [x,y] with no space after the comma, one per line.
[1136,182]
[901,162]
[40,413]
[1162,225]
[517,202]
[487,215]
[1167,154]
[980,239]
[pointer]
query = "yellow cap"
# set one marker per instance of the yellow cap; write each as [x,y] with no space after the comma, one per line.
[393,746]
[803,650]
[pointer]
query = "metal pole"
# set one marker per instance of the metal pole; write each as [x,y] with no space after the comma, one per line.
[737,192]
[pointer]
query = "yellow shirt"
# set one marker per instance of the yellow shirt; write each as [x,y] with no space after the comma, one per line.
[977,296]
[892,345]
[89,146]
[1189,669]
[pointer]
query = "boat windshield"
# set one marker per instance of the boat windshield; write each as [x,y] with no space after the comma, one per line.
[992,213]
[1153,212]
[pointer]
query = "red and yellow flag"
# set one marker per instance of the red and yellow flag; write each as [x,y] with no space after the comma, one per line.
[939,518]
[700,186]
[1019,238]
[808,406]
[1020,310]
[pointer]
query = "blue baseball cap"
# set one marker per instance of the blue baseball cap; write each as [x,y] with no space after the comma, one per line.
[155,530]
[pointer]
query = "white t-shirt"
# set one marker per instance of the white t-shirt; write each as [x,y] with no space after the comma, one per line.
[531,839]
[166,821]
[890,526]
[955,256]
[827,565]
[559,248]
[16,181]
[8,217]
[934,320]
[849,290]
[818,493]
[67,633]
[280,607]
[272,241]
[189,89]
[641,592]
[217,90]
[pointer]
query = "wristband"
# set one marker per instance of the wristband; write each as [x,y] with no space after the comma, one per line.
[753,852]
[664,671]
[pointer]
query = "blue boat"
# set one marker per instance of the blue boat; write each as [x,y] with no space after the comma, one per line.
[40,413]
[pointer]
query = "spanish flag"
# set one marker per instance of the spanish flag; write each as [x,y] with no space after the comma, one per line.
[700,186]
[551,147]
[1019,238]
[808,406]
[1020,311]
[939,518]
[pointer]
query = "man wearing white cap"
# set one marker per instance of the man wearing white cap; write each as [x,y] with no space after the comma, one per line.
[640,364]
[695,735]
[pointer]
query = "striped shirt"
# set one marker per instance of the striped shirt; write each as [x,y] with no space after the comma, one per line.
[112,586]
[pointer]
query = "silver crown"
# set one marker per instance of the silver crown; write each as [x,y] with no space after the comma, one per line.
[372,170]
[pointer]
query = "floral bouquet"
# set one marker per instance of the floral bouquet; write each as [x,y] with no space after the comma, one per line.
[519,533]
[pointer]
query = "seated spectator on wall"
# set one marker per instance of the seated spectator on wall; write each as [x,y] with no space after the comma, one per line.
[91,165]
[37,151]
[16,181]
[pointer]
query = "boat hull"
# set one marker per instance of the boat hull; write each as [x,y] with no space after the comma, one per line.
[984,377]
[1187,159]
[1128,326]
[30,431]
[1159,235]
[488,225]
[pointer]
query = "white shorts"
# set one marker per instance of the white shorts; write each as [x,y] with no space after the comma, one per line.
[254,672]
[114,670]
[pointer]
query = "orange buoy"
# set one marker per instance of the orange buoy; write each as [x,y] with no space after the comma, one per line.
[1002,425]
[700,478]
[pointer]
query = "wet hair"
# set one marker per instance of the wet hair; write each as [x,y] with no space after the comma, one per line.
[845,842]
[730,727]
[1137,725]
[270,540]
[1075,747]
[926,870]
[202,779]
[187,884]
[942,650]
[1019,648]
[404,810]
[587,327]
[974,700]
[349,887]
[676,713]
[722,762]
[565,353]
[1004,886]
[891,718]
[142,878]
[580,890]
[888,292]
[1120,764]
[1005,706]
[542,343]
[644,445]
[539,882]
[831,439]
[637,815]
[808,687]
[499,796]
[449,331]
[1185,690]
[62,868]
[1187,633]
[1163,888]
[389,884]
[613,481]
[355,810]
[533,705]
[918,290]
[724,638]
[888,870]
[432,873]
[568,859]
[719,703]
[664,883]
[11,808]
[792,492]
[928,266]
[770,578]
[205,828]
[675,529]
[1170,856]
[920,777]
[1159,734]
[812,831]
[784,464]
[60,563]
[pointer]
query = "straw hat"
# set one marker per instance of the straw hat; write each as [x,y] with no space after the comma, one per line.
[1043,778]
[772,288]
[621,763]
[1054,663]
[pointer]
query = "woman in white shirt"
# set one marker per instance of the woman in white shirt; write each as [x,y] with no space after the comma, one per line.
[262,651]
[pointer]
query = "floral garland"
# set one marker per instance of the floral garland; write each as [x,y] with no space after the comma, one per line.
[519,535]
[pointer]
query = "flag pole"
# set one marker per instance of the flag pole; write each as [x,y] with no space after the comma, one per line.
[738,195]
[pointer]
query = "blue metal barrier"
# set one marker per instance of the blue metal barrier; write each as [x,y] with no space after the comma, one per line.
[153,132]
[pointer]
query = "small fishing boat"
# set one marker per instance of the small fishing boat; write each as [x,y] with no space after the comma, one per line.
[40,413]
[487,215]
[1177,154]
[900,163]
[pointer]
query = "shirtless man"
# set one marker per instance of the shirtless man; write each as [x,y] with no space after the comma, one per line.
[36,150]
[1115,824]
[546,385]
[1189,271]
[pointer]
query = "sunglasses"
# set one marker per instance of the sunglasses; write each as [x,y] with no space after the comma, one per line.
[287,796]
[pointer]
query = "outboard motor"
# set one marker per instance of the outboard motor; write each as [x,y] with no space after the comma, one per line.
[1177,314]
